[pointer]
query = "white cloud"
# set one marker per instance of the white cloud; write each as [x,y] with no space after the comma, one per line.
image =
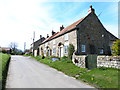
[20,18]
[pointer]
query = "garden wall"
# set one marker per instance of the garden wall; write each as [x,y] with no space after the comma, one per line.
[108,61]
[102,61]
[79,60]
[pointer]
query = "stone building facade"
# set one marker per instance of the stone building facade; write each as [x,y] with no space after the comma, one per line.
[88,35]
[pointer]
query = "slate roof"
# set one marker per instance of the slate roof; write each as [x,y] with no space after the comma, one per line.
[5,48]
[68,28]
[36,44]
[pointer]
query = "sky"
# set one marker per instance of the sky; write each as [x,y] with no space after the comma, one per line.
[20,18]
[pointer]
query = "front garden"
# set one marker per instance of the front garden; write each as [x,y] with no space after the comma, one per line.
[99,77]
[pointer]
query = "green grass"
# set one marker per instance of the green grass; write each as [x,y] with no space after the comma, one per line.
[102,77]
[4,59]
[68,68]
[99,77]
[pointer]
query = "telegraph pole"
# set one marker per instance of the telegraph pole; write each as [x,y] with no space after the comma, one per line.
[24,46]
[33,41]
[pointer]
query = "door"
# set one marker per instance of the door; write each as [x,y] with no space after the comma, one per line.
[61,53]
[91,61]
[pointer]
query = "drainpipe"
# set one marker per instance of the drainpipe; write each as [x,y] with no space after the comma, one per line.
[78,43]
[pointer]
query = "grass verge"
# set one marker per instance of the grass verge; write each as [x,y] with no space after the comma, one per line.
[4,63]
[100,77]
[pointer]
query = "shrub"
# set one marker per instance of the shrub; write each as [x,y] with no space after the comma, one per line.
[116,47]
[46,54]
[4,51]
[69,61]
[71,50]
[64,58]
[43,57]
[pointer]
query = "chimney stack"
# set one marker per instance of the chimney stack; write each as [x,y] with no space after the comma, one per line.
[53,32]
[91,9]
[61,28]
[40,36]
[47,35]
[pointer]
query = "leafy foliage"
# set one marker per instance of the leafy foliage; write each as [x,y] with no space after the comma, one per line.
[3,51]
[4,59]
[71,50]
[43,57]
[116,47]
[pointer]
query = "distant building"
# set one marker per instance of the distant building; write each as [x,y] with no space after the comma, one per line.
[88,35]
[35,47]
[7,50]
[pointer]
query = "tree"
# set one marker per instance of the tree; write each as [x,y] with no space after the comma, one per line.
[13,46]
[71,50]
[116,47]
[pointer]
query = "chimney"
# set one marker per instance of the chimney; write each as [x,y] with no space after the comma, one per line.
[47,35]
[91,10]
[53,32]
[40,36]
[61,28]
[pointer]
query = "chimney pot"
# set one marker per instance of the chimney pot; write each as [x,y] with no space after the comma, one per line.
[61,28]
[53,32]
[91,9]
[47,35]
[40,36]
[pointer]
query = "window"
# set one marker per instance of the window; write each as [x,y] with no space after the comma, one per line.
[65,49]
[54,51]
[48,42]
[53,41]
[102,35]
[101,51]
[83,48]
[66,36]
[45,44]
[45,52]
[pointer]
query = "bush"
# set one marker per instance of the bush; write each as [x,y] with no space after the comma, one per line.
[69,61]
[116,47]
[43,57]
[71,50]
[4,51]
[46,54]
[64,58]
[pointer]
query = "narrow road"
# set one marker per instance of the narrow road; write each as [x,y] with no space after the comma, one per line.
[25,72]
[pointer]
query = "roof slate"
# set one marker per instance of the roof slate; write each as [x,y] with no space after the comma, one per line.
[68,28]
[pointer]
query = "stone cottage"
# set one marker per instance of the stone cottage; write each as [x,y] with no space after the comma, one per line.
[35,47]
[88,35]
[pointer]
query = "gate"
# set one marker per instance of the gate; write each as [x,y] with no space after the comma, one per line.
[91,61]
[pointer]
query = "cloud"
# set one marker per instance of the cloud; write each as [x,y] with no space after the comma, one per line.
[20,18]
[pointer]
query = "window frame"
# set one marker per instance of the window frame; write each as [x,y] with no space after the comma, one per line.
[54,51]
[83,48]
[65,49]
[54,42]
[101,50]
[66,37]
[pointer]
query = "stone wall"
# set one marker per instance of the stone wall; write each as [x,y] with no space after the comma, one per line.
[79,60]
[72,39]
[108,61]
[102,61]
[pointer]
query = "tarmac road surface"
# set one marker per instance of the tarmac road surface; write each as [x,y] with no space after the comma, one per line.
[25,72]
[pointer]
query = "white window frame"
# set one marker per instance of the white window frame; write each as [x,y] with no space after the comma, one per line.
[54,51]
[65,49]
[66,36]
[53,42]
[83,48]
[102,35]
[101,51]
[44,52]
